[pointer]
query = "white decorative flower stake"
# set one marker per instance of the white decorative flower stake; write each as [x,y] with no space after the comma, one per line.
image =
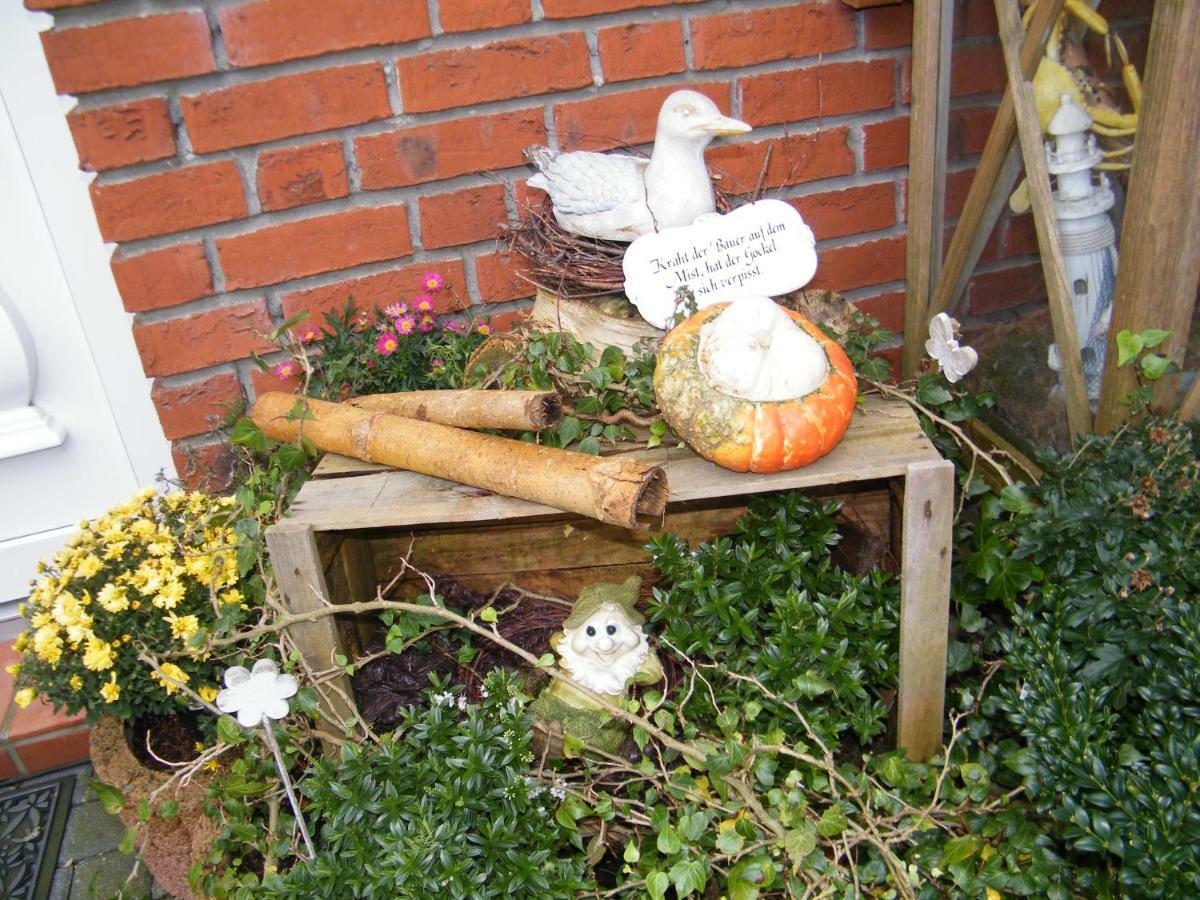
[954,361]
[258,696]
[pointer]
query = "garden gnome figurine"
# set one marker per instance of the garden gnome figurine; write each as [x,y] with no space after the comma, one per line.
[603,647]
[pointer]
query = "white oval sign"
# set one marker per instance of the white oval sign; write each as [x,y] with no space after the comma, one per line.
[762,248]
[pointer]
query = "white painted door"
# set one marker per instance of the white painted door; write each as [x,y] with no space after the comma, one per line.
[78,432]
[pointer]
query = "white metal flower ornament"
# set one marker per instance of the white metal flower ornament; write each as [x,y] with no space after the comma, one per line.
[261,693]
[257,696]
[955,361]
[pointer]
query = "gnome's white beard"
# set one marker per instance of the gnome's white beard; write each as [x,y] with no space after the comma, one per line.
[603,678]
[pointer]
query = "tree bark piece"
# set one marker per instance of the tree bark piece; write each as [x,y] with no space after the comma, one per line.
[506,410]
[617,490]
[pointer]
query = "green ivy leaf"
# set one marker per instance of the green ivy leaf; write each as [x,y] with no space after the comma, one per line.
[688,876]
[111,798]
[546,660]
[169,809]
[1129,345]
[1154,366]
[632,854]
[933,394]
[657,883]
[569,431]
[246,434]
[488,614]
[960,849]
[730,842]
[129,841]
[1014,499]
[832,822]
[668,842]
[799,844]
[1152,337]
[590,445]
[229,731]
[143,810]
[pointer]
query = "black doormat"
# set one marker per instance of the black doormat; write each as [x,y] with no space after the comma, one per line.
[33,816]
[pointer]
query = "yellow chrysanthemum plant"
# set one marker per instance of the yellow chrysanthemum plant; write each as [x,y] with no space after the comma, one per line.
[150,580]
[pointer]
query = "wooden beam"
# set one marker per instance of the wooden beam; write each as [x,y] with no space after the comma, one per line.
[1160,235]
[995,177]
[933,26]
[1190,407]
[1062,311]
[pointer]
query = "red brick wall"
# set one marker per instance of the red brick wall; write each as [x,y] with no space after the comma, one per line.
[262,157]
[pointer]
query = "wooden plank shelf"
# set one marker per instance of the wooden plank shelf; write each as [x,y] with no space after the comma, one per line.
[350,526]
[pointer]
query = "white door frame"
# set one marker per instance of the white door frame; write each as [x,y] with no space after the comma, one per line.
[38,116]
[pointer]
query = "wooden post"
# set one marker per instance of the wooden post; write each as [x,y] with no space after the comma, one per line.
[995,177]
[1160,234]
[933,22]
[295,560]
[1062,310]
[1190,407]
[358,568]
[928,521]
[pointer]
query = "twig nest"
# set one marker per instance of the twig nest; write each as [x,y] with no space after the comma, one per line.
[754,387]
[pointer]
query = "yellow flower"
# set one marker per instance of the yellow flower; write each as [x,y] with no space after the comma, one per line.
[110,690]
[116,549]
[13,669]
[80,631]
[40,620]
[170,595]
[75,682]
[24,697]
[22,642]
[145,494]
[161,547]
[89,566]
[208,693]
[172,671]
[99,655]
[231,596]
[182,627]
[143,528]
[47,644]
[112,598]
[67,609]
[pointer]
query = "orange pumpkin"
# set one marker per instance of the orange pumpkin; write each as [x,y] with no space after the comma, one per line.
[762,391]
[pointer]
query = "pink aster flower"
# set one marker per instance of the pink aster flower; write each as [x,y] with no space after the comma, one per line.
[388,343]
[285,370]
[395,310]
[405,325]
[436,363]
[432,281]
[426,324]
[454,325]
[424,304]
[484,328]
[309,334]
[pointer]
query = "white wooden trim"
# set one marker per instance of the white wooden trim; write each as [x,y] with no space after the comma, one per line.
[38,115]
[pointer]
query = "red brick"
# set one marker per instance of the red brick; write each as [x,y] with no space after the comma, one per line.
[161,278]
[887,308]
[507,320]
[203,467]
[990,292]
[188,409]
[265,382]
[977,70]
[171,201]
[499,71]
[474,15]
[53,751]
[121,135]
[860,265]
[285,106]
[958,185]
[888,27]
[795,159]
[203,339]
[642,50]
[8,656]
[8,765]
[320,244]
[377,291]
[499,276]
[294,176]
[528,196]
[39,719]
[969,130]
[885,144]
[56,4]
[976,18]
[569,9]
[443,150]
[763,35]
[617,120]
[832,89]
[270,31]
[128,52]
[462,217]
[1020,237]
[854,210]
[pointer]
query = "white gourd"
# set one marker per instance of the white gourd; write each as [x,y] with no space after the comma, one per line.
[754,351]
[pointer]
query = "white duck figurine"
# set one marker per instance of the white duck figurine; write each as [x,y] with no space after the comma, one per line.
[617,197]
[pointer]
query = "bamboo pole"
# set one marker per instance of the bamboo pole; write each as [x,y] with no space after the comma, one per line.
[617,490]
[1062,312]
[995,177]
[932,36]
[505,410]
[1160,235]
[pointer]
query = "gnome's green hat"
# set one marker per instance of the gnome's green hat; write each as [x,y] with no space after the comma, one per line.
[594,596]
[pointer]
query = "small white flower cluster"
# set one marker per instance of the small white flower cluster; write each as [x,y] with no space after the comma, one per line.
[536,788]
[558,790]
[447,698]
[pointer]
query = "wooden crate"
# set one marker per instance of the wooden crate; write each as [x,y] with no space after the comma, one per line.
[350,525]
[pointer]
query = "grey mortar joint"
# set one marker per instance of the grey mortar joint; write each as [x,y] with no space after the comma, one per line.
[686,26]
[435,16]
[536,8]
[353,171]
[220,55]
[474,295]
[214,264]
[593,45]
[183,140]
[391,78]
[246,161]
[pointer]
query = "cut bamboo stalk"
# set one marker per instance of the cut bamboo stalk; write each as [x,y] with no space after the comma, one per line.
[616,490]
[505,410]
[995,177]
[1062,311]
[932,33]
[1160,238]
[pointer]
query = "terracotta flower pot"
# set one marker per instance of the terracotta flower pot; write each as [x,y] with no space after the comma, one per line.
[173,845]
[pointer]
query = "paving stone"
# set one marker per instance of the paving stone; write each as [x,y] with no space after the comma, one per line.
[60,888]
[100,877]
[82,773]
[90,832]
